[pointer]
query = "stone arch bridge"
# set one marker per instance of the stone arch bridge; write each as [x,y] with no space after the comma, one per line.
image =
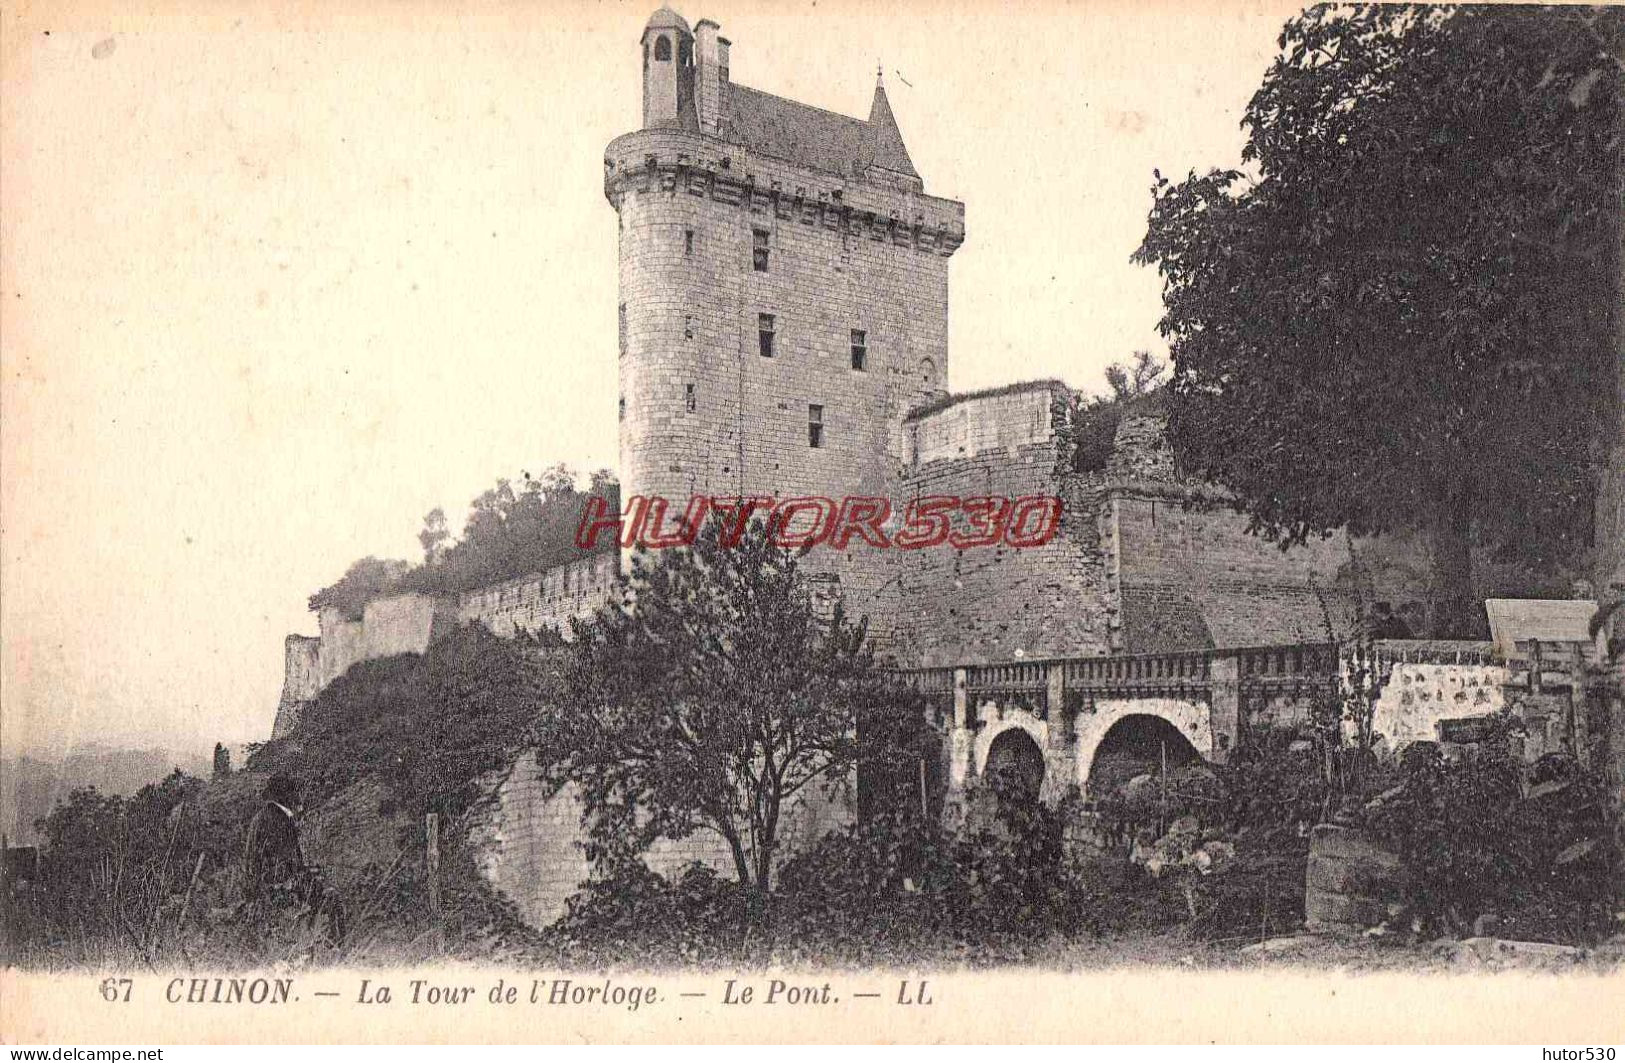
[1076,713]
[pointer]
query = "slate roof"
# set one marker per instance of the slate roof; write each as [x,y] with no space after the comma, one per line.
[813,137]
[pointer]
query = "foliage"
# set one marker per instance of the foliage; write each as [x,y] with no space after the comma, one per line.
[1403,314]
[363,581]
[890,888]
[509,533]
[695,918]
[1478,835]
[1088,426]
[714,696]
[155,877]
[1236,849]
[429,726]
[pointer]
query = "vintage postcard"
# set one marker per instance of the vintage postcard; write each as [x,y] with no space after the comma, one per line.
[816,522]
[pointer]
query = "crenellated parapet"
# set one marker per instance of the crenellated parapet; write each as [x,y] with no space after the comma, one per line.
[673,161]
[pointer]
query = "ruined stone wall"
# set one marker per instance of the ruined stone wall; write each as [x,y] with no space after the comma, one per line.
[301,670]
[1417,696]
[548,599]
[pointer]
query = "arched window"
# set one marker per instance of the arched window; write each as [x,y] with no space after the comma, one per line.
[662,49]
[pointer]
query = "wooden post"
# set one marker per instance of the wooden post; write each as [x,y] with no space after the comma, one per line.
[1162,813]
[431,860]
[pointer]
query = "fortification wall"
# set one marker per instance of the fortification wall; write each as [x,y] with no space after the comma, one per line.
[542,600]
[532,843]
[402,623]
[409,623]
[999,603]
[301,672]
[342,640]
[1189,575]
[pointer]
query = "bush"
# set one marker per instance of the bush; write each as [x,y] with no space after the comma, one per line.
[1484,837]
[893,888]
[630,912]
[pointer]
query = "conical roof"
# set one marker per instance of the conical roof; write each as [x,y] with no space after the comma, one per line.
[889,152]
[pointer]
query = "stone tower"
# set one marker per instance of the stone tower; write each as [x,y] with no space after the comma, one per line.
[783,284]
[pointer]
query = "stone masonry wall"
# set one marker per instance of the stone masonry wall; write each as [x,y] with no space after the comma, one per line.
[693,297]
[403,623]
[1418,695]
[548,599]
[408,623]
[999,603]
[703,411]
[1190,576]
[300,680]
[532,842]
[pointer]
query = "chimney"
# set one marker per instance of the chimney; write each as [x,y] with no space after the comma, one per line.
[711,53]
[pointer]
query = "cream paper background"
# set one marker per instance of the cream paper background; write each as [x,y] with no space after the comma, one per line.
[1099,1007]
[253,328]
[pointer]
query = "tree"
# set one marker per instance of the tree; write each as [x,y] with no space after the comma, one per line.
[363,581]
[434,535]
[714,696]
[1405,314]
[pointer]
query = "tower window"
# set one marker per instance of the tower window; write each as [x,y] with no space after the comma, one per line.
[688,326]
[759,250]
[815,425]
[662,49]
[688,241]
[860,349]
[689,399]
[623,407]
[764,334]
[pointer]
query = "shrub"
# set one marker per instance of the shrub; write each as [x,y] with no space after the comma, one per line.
[1481,835]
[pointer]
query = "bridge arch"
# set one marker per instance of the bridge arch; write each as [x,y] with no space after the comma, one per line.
[1191,719]
[1015,767]
[994,728]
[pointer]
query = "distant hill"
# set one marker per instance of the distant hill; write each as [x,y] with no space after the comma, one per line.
[30,786]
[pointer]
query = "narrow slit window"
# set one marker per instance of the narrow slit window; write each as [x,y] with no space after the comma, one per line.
[689,400]
[759,250]
[688,242]
[815,425]
[860,349]
[764,334]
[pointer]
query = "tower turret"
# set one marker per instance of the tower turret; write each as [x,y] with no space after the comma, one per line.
[668,72]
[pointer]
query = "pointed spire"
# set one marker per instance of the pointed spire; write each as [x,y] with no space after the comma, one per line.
[890,154]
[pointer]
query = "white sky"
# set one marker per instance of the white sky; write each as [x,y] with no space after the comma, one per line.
[276,285]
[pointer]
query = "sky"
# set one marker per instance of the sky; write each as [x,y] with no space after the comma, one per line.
[276,280]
